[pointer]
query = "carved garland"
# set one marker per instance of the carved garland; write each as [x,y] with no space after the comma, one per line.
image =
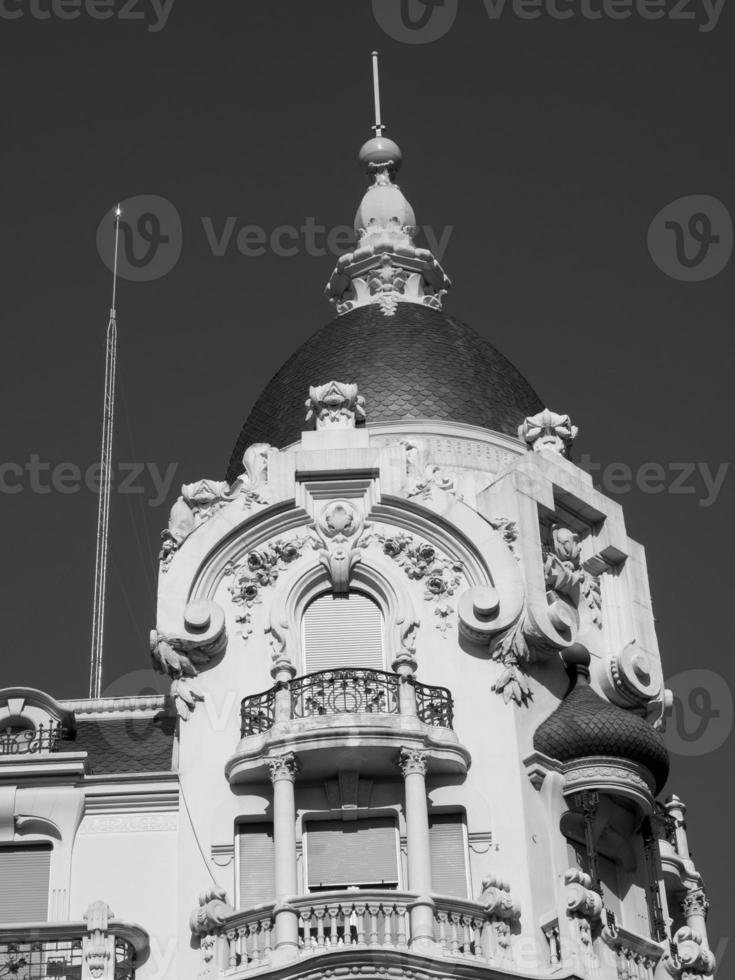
[420,561]
[259,569]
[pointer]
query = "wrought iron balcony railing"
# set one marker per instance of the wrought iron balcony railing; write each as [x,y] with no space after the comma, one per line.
[434,705]
[31,741]
[42,950]
[345,691]
[258,713]
[336,692]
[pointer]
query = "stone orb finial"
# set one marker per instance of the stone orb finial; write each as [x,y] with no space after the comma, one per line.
[380,152]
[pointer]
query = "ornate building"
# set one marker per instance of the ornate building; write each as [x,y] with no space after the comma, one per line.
[414,719]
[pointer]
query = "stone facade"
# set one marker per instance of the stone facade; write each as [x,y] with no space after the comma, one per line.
[492,568]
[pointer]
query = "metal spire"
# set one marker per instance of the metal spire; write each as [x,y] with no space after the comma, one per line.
[103,508]
[378,127]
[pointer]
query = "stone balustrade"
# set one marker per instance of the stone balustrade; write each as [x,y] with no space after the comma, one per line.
[373,918]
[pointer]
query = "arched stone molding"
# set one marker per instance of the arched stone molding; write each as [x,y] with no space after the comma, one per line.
[26,705]
[307,578]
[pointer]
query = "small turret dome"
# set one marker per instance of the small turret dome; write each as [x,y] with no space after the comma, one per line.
[585,725]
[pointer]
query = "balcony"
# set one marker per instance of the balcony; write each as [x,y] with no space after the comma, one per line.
[329,713]
[99,946]
[342,923]
[31,741]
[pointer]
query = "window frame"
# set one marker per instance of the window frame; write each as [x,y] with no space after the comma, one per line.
[390,814]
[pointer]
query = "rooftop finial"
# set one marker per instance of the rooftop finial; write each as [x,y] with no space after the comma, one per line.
[386,267]
[378,127]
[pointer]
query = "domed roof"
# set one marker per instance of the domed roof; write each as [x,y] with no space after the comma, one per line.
[585,724]
[417,364]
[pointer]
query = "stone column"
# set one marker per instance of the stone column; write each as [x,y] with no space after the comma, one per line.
[283,672]
[283,769]
[677,812]
[405,666]
[412,763]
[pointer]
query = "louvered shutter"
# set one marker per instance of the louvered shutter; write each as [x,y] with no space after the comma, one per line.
[24,883]
[342,631]
[257,869]
[448,855]
[355,852]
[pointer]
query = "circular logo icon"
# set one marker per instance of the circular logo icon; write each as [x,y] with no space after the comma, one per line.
[415,21]
[700,719]
[691,239]
[150,241]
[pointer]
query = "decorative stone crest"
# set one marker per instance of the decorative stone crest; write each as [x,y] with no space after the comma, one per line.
[180,655]
[547,430]
[584,909]
[423,476]
[284,766]
[212,911]
[565,575]
[98,946]
[421,561]
[690,956]
[503,911]
[342,531]
[259,569]
[412,761]
[335,405]
[201,500]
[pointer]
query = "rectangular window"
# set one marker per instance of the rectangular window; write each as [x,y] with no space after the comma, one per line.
[351,853]
[24,874]
[448,854]
[256,858]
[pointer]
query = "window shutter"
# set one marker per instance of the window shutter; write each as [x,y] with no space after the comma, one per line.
[448,855]
[257,858]
[355,852]
[24,874]
[342,631]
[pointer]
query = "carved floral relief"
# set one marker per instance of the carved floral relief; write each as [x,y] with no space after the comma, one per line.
[441,576]
[259,569]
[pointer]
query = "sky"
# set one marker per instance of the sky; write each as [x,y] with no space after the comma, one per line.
[578,171]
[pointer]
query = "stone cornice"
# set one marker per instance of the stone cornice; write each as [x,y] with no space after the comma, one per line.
[367,962]
[122,707]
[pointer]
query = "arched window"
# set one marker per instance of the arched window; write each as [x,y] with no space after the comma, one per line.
[342,631]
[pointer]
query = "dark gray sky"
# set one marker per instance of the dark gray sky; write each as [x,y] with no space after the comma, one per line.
[546,146]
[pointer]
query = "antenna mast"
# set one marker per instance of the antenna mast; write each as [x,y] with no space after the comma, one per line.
[378,127]
[103,508]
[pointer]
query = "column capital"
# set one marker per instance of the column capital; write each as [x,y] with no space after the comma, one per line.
[695,902]
[283,767]
[411,761]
